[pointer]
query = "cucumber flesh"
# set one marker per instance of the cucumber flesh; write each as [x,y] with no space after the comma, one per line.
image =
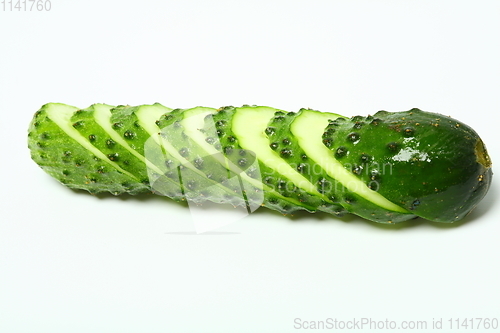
[249,125]
[148,115]
[62,117]
[205,141]
[163,181]
[102,116]
[341,199]
[59,147]
[308,129]
[203,173]
[279,194]
[201,168]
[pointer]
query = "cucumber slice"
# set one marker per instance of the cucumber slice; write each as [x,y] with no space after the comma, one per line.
[309,129]
[204,171]
[204,143]
[280,193]
[59,147]
[249,125]
[340,198]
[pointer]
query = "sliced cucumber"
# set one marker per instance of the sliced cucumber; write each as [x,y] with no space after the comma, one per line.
[59,147]
[387,168]
[249,125]
[309,128]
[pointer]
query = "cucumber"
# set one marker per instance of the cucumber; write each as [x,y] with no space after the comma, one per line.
[431,165]
[59,147]
[332,178]
[201,166]
[387,168]
[235,132]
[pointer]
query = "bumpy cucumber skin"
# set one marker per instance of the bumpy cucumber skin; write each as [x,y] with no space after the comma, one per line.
[71,164]
[165,176]
[281,195]
[84,122]
[341,199]
[432,165]
[125,122]
[283,141]
[203,175]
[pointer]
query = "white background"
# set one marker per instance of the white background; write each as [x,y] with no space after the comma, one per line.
[72,262]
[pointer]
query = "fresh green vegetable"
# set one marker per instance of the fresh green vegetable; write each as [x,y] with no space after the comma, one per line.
[388,168]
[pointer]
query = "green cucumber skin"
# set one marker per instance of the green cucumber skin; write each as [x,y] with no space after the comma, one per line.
[425,162]
[284,142]
[435,167]
[71,164]
[84,122]
[126,124]
[202,174]
[281,195]
[342,200]
[165,174]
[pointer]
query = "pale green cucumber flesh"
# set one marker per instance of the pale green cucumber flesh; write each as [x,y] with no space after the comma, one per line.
[59,147]
[194,123]
[205,142]
[102,116]
[148,115]
[249,125]
[308,129]
[62,117]
[201,168]
[279,193]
